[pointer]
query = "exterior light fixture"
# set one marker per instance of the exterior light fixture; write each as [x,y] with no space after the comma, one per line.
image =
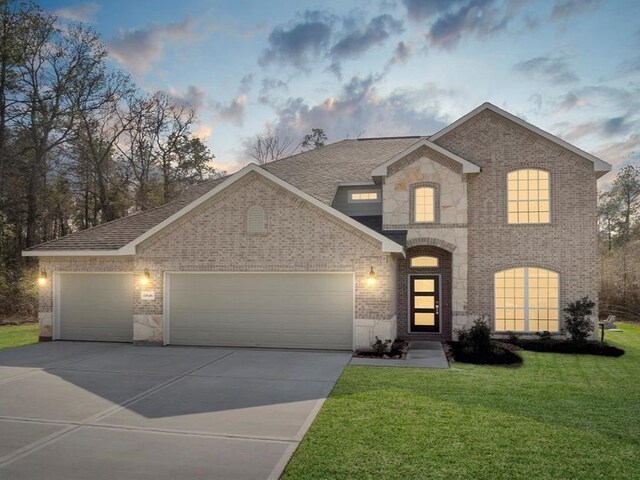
[42,278]
[371,278]
[146,278]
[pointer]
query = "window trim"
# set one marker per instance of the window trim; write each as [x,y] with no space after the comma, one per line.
[526,268]
[378,193]
[436,202]
[506,195]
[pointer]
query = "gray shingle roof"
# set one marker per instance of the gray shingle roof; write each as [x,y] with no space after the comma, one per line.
[317,172]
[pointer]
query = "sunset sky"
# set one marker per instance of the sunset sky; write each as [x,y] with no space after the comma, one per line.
[383,68]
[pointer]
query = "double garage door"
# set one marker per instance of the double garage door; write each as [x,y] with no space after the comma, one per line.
[286,310]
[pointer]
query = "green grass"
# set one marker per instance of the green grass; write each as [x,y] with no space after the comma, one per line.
[557,416]
[18,335]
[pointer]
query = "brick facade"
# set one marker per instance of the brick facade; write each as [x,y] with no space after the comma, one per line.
[567,245]
[214,237]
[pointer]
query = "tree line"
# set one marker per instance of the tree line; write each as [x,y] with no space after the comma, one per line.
[80,143]
[619,231]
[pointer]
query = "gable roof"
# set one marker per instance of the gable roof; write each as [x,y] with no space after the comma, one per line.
[599,165]
[129,248]
[467,166]
[317,172]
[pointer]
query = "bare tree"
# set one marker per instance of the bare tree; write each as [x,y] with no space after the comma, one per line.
[269,146]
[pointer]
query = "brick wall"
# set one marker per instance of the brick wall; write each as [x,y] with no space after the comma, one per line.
[566,245]
[299,237]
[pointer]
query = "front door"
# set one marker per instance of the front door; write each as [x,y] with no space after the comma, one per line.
[425,303]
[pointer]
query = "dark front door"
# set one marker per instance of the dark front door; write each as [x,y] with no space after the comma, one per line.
[425,303]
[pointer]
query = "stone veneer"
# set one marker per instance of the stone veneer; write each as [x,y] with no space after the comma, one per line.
[213,237]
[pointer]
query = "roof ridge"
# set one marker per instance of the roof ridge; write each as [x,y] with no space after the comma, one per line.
[302,153]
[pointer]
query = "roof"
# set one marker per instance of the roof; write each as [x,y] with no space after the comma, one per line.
[173,212]
[316,172]
[599,165]
[467,166]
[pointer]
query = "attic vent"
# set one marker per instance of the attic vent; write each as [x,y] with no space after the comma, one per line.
[256,220]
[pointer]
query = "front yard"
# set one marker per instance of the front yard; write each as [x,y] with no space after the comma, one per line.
[557,416]
[18,335]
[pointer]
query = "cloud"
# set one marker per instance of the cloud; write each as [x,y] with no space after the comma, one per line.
[566,8]
[623,152]
[570,101]
[604,128]
[246,83]
[204,131]
[138,49]
[270,87]
[359,109]
[419,10]
[233,112]
[554,69]
[401,54]
[299,42]
[360,39]
[195,97]
[83,12]
[316,36]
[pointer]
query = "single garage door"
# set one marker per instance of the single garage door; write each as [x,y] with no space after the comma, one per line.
[96,306]
[286,310]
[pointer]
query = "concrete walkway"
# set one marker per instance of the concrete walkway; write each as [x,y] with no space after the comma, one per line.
[77,410]
[420,355]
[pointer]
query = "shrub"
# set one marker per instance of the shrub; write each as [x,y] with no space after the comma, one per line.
[380,346]
[474,345]
[478,338]
[545,339]
[512,338]
[577,320]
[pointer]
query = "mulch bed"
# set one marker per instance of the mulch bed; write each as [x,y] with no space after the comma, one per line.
[565,346]
[500,355]
[397,351]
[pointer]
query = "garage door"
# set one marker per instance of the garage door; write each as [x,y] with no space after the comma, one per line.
[96,306]
[287,310]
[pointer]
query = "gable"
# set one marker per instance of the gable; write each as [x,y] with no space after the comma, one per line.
[297,234]
[489,115]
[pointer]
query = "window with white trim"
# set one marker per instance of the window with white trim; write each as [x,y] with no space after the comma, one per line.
[528,196]
[424,204]
[526,300]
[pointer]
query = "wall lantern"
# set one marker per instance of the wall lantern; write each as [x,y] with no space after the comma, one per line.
[146,278]
[42,278]
[371,278]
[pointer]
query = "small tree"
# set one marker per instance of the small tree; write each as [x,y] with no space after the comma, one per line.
[577,320]
[316,139]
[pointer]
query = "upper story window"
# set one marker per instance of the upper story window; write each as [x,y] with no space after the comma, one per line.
[256,221]
[424,204]
[526,300]
[364,196]
[528,196]
[424,261]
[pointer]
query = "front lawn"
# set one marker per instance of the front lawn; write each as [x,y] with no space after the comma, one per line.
[18,335]
[557,416]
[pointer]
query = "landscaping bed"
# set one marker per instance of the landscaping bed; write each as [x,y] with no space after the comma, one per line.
[498,355]
[384,349]
[567,346]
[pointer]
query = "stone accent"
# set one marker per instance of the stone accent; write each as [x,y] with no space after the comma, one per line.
[147,329]
[567,245]
[45,319]
[366,330]
[420,168]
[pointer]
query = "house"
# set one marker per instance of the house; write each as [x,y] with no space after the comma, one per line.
[410,237]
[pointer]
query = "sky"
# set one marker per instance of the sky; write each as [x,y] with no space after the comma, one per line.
[383,67]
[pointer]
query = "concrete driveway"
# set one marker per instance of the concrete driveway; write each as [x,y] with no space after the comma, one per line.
[75,410]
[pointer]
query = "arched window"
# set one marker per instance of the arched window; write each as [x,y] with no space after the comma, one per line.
[256,220]
[526,300]
[528,196]
[423,261]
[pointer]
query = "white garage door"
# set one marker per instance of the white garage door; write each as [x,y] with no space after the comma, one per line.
[286,310]
[95,306]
